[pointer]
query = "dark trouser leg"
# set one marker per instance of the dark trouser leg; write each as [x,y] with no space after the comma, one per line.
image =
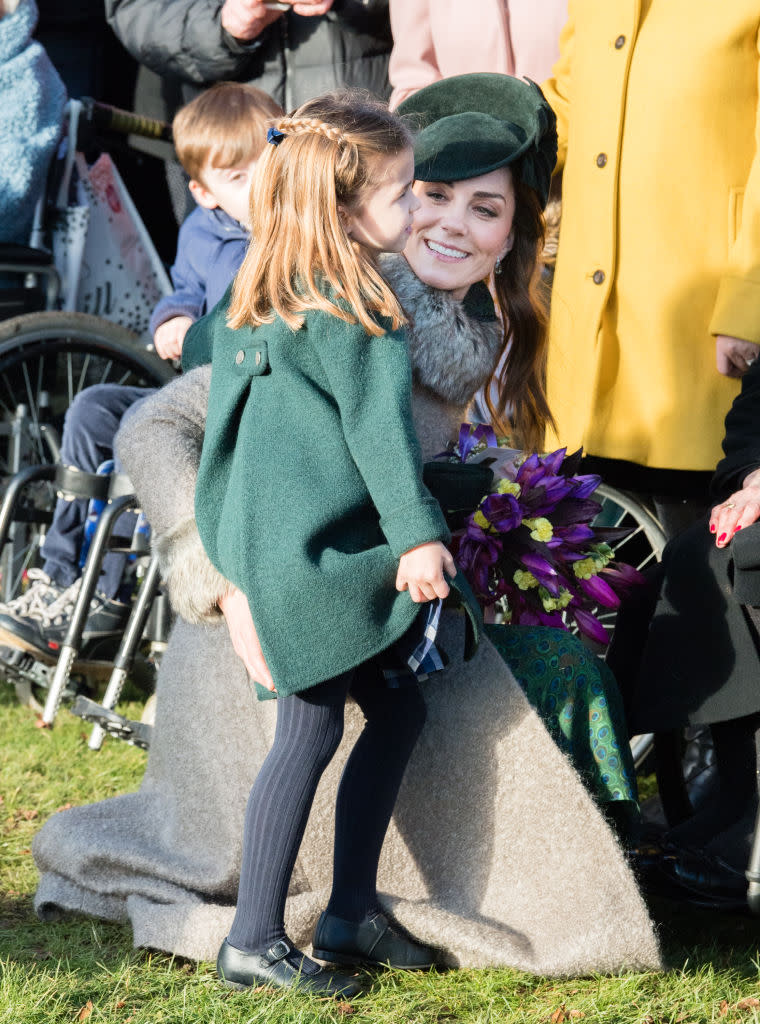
[89,429]
[309,729]
[736,758]
[369,787]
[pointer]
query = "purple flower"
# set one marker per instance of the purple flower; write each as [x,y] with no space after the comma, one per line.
[531,472]
[624,576]
[476,554]
[577,533]
[469,437]
[573,511]
[590,626]
[544,571]
[502,511]
[496,543]
[544,496]
[600,592]
[554,461]
[586,484]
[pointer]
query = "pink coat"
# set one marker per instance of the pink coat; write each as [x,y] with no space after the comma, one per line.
[435,39]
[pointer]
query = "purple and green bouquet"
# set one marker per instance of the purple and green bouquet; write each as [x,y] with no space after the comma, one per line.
[529,549]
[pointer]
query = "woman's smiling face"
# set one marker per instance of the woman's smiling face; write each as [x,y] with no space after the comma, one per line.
[461,229]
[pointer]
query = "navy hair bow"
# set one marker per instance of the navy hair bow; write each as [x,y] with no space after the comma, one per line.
[275,136]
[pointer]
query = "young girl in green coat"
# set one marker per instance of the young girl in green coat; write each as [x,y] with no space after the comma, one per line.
[310,501]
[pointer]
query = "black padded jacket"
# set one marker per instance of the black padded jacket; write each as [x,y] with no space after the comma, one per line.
[294,59]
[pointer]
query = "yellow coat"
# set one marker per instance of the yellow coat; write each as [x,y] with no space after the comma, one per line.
[659,248]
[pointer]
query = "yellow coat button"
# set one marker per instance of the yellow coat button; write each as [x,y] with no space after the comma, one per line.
[240,357]
[598,277]
[601,160]
[620,42]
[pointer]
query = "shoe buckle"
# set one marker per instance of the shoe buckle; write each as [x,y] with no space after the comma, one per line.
[278,951]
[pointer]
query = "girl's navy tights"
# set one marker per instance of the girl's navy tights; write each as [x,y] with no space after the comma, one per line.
[309,729]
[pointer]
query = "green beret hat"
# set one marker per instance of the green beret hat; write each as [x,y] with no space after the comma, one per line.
[472,124]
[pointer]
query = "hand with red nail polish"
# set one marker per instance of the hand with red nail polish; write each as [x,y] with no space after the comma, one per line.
[740,509]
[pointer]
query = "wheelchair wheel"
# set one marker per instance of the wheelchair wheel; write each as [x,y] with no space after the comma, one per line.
[641,547]
[46,359]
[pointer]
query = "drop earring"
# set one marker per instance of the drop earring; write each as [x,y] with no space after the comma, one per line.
[497,266]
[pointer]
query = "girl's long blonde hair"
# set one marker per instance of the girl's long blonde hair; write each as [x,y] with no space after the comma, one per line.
[302,257]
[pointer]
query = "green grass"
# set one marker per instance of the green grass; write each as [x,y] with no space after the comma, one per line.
[78,969]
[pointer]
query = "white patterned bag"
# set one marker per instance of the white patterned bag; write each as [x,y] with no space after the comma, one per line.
[121,276]
[102,250]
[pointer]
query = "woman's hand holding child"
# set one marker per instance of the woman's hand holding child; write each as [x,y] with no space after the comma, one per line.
[420,571]
[245,640]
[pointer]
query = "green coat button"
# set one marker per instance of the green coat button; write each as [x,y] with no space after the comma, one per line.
[240,357]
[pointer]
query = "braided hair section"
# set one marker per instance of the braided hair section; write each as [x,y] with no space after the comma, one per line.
[310,126]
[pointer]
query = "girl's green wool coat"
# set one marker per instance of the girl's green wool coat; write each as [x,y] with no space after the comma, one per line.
[310,487]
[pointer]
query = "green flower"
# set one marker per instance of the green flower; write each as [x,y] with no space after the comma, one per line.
[602,554]
[540,529]
[554,604]
[525,580]
[480,520]
[585,568]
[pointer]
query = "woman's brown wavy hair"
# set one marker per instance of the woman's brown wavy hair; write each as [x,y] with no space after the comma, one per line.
[521,408]
[302,256]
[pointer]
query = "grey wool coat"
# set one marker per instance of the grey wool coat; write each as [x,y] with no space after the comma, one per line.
[496,853]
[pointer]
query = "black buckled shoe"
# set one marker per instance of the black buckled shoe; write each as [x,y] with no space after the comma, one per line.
[374,940]
[281,966]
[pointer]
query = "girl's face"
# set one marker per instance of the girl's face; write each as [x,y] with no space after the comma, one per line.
[382,220]
[461,229]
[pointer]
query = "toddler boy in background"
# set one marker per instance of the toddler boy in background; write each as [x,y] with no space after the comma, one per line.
[218,137]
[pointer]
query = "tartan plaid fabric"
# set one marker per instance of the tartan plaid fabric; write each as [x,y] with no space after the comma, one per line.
[415,656]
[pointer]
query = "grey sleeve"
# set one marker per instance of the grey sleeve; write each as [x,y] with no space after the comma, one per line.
[159,446]
[182,38]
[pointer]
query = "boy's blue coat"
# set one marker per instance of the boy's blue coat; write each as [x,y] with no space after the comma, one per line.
[32,98]
[210,248]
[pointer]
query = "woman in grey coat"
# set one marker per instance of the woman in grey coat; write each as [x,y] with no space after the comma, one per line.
[494,836]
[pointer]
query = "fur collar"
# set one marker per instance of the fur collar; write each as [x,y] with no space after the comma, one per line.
[453,353]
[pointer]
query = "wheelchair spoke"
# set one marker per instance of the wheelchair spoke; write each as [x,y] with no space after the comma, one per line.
[83,373]
[106,371]
[70,377]
[11,408]
[34,413]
